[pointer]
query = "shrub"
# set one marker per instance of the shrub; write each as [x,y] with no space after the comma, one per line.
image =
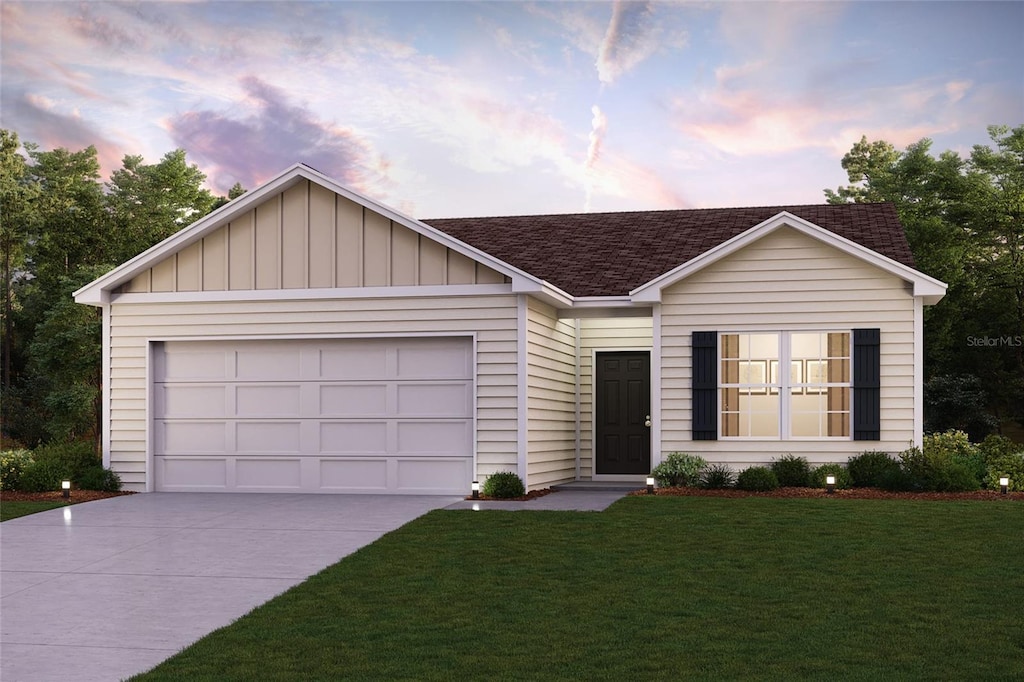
[504,485]
[936,470]
[73,458]
[792,471]
[717,476]
[757,479]
[12,464]
[679,469]
[995,446]
[1010,465]
[955,446]
[896,479]
[817,478]
[42,475]
[98,478]
[869,468]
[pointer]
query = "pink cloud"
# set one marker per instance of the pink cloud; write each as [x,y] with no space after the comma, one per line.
[40,121]
[275,136]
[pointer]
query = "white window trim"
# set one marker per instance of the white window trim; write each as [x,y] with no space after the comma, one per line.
[785,357]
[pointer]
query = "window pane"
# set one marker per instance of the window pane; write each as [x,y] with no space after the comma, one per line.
[750,395]
[820,397]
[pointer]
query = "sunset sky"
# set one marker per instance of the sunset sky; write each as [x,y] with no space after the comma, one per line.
[481,108]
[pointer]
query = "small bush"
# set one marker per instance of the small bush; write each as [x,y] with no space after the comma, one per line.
[679,469]
[1010,465]
[717,476]
[757,479]
[941,449]
[843,481]
[42,476]
[73,458]
[12,464]
[994,447]
[792,471]
[896,479]
[936,470]
[868,469]
[98,478]
[504,485]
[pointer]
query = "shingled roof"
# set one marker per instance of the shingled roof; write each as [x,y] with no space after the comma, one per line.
[610,254]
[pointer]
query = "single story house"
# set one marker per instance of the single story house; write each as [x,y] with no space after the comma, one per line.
[306,338]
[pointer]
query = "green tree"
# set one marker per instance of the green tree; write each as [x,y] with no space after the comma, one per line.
[149,203]
[963,220]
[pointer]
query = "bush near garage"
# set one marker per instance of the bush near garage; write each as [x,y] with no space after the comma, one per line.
[504,485]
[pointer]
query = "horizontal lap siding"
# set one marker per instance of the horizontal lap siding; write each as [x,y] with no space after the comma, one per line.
[492,318]
[551,396]
[596,335]
[787,282]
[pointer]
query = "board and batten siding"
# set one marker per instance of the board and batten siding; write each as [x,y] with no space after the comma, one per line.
[491,318]
[787,281]
[308,237]
[596,334]
[551,396]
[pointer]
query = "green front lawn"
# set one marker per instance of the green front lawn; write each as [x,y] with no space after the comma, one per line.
[653,588]
[14,509]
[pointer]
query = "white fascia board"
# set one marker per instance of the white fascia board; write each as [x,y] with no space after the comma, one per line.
[97,292]
[927,287]
[343,293]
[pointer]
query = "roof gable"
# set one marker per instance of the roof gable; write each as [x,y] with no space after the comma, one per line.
[272,238]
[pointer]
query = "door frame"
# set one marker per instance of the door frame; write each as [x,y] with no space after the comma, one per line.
[594,476]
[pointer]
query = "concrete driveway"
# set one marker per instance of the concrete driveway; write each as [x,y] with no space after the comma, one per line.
[107,589]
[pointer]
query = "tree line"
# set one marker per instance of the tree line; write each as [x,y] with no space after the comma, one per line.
[62,225]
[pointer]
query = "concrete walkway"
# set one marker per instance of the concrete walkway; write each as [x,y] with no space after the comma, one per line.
[107,589]
[562,500]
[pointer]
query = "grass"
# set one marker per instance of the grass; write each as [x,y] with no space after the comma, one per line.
[14,509]
[653,588]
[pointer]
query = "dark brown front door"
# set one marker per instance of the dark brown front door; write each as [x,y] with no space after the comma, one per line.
[622,385]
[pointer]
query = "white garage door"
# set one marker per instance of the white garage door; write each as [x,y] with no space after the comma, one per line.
[342,415]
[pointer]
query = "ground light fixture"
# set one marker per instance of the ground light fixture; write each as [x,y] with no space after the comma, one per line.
[830,484]
[65,487]
[476,490]
[1004,485]
[650,485]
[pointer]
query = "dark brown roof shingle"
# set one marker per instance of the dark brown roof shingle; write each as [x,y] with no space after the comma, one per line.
[610,254]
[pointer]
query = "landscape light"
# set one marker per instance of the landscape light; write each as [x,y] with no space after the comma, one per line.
[650,485]
[1004,485]
[476,490]
[65,487]
[830,482]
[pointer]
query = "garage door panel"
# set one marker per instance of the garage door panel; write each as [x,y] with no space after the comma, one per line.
[314,415]
[354,474]
[354,400]
[192,473]
[415,437]
[434,360]
[190,400]
[355,360]
[275,437]
[268,473]
[275,400]
[354,437]
[264,363]
[190,437]
[433,399]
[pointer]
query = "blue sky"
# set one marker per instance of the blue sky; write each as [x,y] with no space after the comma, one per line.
[459,108]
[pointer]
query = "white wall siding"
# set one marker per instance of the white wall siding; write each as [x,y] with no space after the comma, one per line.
[551,394]
[632,333]
[491,318]
[788,282]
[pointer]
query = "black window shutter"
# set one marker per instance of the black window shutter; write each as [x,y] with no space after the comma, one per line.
[867,411]
[705,385]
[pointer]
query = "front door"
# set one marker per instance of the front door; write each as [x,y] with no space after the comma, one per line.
[622,413]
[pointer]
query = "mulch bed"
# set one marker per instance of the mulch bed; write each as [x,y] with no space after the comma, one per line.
[850,494]
[58,496]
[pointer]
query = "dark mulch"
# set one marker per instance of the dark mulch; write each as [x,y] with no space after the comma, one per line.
[57,496]
[850,494]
